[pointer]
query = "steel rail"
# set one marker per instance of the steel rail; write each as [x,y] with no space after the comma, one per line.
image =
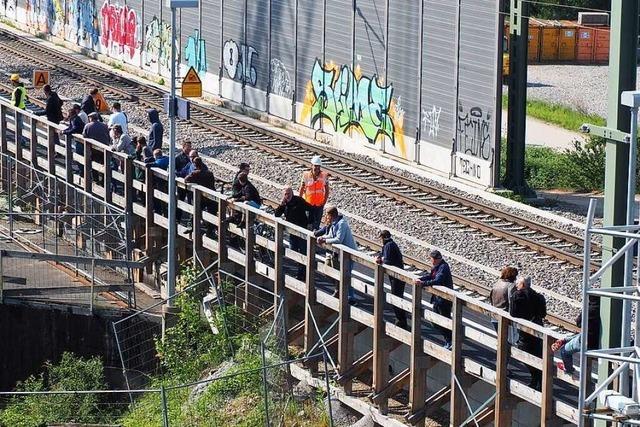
[479,216]
[411,261]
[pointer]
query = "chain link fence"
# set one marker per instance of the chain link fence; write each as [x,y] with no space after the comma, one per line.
[43,212]
[215,401]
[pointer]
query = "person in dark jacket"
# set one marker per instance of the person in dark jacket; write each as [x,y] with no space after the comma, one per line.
[190,166]
[391,255]
[76,126]
[248,192]
[295,210]
[201,175]
[144,153]
[155,133]
[571,345]
[183,159]
[97,130]
[88,104]
[524,304]
[236,187]
[440,275]
[53,106]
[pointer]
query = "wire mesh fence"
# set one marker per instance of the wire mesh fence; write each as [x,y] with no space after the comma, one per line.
[44,212]
[251,372]
[220,400]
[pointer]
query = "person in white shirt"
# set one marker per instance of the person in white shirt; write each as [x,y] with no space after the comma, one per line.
[118,118]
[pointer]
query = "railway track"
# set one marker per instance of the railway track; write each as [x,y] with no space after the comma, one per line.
[468,286]
[546,243]
[491,223]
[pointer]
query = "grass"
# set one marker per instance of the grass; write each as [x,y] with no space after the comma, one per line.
[559,115]
[580,168]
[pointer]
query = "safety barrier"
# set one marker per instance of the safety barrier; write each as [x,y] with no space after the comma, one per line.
[255,256]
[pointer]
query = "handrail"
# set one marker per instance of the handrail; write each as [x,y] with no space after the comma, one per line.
[421,350]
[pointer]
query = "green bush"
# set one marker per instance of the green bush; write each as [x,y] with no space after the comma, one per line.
[585,165]
[71,373]
[189,347]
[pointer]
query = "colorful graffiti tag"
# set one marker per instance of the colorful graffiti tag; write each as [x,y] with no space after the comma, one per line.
[195,53]
[348,100]
[238,62]
[157,43]
[119,28]
[474,132]
[83,22]
[46,16]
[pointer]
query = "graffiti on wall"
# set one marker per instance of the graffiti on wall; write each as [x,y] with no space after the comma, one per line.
[348,100]
[157,43]
[9,7]
[431,121]
[83,22]
[238,62]
[45,15]
[474,132]
[196,53]
[280,80]
[119,28]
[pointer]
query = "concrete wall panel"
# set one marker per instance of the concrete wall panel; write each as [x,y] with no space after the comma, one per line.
[377,74]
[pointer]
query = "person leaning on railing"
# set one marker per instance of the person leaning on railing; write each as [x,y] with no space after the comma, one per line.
[440,275]
[338,232]
[295,210]
[391,255]
[201,175]
[528,304]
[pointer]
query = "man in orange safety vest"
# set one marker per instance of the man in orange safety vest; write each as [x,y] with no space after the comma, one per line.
[314,189]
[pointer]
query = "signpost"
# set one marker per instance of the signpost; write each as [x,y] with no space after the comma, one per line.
[191,84]
[171,251]
[40,78]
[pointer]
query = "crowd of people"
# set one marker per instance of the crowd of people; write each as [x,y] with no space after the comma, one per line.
[307,209]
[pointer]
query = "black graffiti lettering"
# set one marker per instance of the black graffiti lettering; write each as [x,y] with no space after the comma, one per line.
[474,133]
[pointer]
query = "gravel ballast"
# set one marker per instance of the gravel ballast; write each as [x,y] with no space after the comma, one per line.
[563,280]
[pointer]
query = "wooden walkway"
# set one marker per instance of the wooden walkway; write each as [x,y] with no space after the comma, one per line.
[478,354]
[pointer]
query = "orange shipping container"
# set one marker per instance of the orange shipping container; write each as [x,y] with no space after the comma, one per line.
[534,44]
[585,44]
[601,50]
[567,42]
[549,44]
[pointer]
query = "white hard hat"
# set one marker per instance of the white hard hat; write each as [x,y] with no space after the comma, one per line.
[316,161]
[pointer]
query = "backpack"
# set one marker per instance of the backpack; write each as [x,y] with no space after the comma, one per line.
[540,308]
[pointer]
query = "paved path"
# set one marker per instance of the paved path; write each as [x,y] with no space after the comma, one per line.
[544,134]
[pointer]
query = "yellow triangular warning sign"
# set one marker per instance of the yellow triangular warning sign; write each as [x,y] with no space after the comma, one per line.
[192,76]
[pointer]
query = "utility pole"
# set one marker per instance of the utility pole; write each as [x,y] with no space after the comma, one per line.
[517,109]
[622,77]
[172,261]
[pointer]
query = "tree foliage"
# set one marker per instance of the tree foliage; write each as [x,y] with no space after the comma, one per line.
[565,9]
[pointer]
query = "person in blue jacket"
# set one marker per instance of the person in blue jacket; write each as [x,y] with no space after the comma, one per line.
[160,160]
[338,232]
[440,275]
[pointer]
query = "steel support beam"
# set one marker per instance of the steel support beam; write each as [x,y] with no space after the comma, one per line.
[517,109]
[622,77]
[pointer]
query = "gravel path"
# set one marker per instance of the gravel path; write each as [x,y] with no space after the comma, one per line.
[559,279]
[581,87]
